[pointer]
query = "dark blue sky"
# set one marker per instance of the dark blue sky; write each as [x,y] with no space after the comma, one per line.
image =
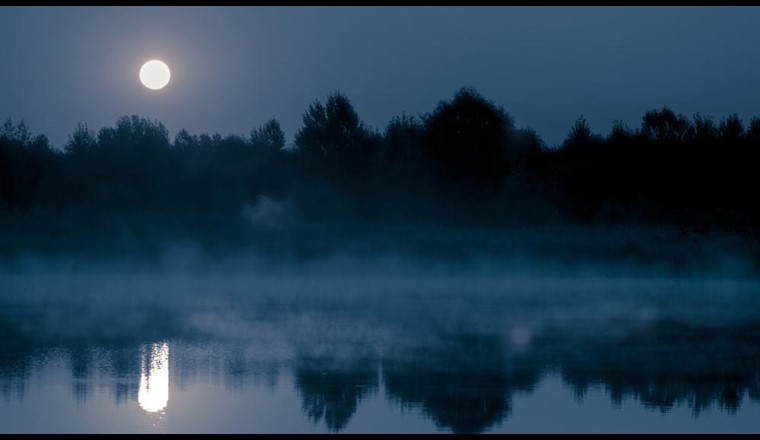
[233,68]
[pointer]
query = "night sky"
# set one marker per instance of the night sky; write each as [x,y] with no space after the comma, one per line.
[234,68]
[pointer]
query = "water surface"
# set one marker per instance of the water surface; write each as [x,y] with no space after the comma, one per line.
[331,351]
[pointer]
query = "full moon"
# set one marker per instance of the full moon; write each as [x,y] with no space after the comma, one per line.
[155,74]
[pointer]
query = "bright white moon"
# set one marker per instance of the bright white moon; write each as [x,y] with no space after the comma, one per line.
[155,74]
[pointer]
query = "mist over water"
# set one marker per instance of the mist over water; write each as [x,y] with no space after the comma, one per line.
[346,344]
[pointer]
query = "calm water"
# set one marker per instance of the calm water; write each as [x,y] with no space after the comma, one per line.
[320,352]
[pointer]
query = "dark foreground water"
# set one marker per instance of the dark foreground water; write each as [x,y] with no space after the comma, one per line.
[397,351]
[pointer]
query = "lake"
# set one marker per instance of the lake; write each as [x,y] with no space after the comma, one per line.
[300,351]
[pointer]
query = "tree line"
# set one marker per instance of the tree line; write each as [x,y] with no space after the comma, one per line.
[464,163]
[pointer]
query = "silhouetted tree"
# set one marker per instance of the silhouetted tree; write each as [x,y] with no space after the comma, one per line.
[580,131]
[466,139]
[134,135]
[753,131]
[82,141]
[665,125]
[336,152]
[525,155]
[620,133]
[269,136]
[25,161]
[705,131]
[185,142]
[333,135]
[731,130]
[580,136]
[402,140]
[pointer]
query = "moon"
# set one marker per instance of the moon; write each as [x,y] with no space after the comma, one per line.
[155,74]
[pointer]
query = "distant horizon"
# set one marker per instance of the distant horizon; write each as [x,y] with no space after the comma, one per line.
[289,136]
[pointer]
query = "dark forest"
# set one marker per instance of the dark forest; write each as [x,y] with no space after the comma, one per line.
[675,189]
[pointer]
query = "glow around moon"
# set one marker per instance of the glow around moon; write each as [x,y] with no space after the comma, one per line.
[155,74]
